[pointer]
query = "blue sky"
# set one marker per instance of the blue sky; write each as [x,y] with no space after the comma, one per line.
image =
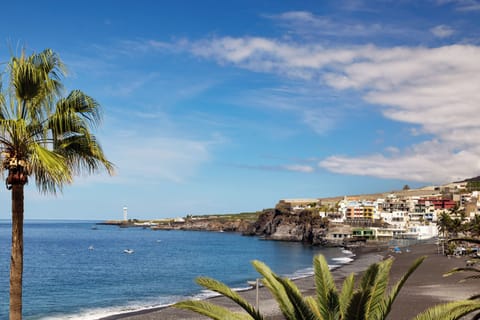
[228,106]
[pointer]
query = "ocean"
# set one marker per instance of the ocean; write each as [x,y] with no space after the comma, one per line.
[77,270]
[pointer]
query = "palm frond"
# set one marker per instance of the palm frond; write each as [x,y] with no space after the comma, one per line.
[50,169]
[356,307]
[388,302]
[211,310]
[346,294]
[276,289]
[449,311]
[473,277]
[301,307]
[3,104]
[474,297]
[223,289]
[313,305]
[325,285]
[458,270]
[374,307]
[83,154]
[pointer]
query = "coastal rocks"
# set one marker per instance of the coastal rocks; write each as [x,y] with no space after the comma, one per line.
[280,224]
[207,224]
[238,225]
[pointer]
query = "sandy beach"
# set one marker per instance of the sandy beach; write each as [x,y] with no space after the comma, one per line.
[425,288]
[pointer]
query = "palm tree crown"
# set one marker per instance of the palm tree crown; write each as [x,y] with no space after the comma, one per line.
[41,136]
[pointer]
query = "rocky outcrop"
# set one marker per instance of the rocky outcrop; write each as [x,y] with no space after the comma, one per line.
[213,224]
[281,224]
[238,225]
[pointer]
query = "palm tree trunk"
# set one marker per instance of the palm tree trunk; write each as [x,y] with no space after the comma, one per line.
[16,262]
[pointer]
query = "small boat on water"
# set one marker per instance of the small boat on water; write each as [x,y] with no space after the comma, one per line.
[91,248]
[128,251]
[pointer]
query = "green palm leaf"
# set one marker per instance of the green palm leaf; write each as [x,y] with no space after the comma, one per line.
[356,307]
[325,287]
[388,301]
[223,289]
[458,270]
[374,306]
[313,305]
[211,310]
[301,307]
[346,295]
[449,311]
[50,170]
[276,289]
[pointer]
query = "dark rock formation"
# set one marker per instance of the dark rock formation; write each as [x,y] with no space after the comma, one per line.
[280,224]
[237,225]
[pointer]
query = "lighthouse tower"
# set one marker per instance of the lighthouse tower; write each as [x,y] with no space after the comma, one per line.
[125,213]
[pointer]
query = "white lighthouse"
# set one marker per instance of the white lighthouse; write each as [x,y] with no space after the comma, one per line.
[125,213]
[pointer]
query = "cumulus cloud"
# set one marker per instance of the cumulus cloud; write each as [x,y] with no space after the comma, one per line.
[431,162]
[436,89]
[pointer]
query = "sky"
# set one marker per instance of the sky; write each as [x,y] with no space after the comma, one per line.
[218,106]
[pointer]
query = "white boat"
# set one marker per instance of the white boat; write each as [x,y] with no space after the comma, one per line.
[129,251]
[347,252]
[91,248]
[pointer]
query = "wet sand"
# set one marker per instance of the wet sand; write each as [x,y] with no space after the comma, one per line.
[425,288]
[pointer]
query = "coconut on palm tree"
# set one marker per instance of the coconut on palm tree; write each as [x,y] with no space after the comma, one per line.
[45,137]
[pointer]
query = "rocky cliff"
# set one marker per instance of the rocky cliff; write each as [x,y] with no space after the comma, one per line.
[238,225]
[207,224]
[281,224]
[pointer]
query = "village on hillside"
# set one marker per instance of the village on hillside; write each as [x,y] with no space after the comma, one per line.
[417,214]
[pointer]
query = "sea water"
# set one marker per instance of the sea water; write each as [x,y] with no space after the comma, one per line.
[78,270]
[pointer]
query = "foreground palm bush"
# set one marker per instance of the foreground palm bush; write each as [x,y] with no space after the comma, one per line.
[370,299]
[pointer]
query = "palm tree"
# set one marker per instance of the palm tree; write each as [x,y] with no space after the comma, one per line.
[474,226]
[370,300]
[444,223]
[45,136]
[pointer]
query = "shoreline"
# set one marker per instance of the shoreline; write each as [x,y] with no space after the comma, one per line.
[364,256]
[425,288]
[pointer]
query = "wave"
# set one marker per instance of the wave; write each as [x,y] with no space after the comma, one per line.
[163,302]
[103,312]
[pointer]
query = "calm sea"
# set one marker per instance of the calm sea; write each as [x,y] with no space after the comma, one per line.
[72,271]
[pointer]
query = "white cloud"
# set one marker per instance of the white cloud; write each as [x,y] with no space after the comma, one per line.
[436,89]
[151,160]
[426,163]
[463,5]
[307,24]
[442,31]
[299,168]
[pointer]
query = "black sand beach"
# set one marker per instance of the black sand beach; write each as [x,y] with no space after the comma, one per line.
[425,288]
